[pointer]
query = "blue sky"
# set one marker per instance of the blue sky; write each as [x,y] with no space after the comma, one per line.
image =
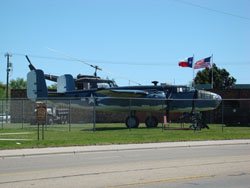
[142,40]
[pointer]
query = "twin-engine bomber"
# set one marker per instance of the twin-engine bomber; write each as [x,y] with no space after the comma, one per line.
[158,98]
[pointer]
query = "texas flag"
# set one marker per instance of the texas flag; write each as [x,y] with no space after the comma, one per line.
[188,62]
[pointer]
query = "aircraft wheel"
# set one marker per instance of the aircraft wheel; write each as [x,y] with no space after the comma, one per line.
[132,122]
[151,122]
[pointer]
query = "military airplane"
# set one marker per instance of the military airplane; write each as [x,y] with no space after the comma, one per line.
[167,98]
[130,98]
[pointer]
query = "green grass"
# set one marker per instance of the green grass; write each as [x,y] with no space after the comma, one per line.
[59,135]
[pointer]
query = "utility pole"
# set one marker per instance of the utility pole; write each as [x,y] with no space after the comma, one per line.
[8,70]
[7,84]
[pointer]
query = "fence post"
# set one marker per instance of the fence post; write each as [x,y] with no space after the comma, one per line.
[69,117]
[43,131]
[22,112]
[38,132]
[7,110]
[94,115]
[222,114]
[130,113]
[162,114]
[46,124]
[2,114]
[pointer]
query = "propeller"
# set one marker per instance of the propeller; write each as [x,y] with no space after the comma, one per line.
[93,66]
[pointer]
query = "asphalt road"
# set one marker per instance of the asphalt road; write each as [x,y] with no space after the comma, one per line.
[201,166]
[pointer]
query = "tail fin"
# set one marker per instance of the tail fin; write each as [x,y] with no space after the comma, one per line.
[36,85]
[65,83]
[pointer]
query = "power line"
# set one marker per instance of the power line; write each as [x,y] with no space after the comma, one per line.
[93,61]
[174,63]
[213,10]
[94,66]
[41,57]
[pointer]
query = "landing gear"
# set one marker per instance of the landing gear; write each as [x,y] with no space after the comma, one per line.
[198,122]
[151,122]
[132,122]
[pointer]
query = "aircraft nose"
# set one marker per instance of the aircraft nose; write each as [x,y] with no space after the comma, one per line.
[217,98]
[209,100]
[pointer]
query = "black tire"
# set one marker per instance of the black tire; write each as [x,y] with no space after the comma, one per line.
[132,122]
[151,122]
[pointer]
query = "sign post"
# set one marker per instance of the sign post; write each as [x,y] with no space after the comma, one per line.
[41,118]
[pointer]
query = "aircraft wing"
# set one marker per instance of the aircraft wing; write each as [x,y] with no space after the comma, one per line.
[123,93]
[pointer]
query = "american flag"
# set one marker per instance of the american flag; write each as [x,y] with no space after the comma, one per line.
[203,63]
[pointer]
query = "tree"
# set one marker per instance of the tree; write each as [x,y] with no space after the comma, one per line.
[221,78]
[52,86]
[19,83]
[2,90]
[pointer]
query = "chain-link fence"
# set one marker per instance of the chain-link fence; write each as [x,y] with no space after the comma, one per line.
[97,113]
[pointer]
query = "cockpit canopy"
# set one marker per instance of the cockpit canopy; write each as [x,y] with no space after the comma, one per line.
[183,89]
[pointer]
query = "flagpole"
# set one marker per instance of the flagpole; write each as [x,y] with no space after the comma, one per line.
[193,71]
[212,79]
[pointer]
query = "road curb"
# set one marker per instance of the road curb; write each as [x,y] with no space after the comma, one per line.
[116,147]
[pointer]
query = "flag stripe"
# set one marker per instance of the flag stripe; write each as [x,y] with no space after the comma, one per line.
[188,62]
[203,63]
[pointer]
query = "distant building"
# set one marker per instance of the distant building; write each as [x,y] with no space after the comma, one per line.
[209,87]
[235,107]
[241,86]
[203,86]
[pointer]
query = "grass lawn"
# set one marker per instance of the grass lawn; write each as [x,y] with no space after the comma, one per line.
[59,135]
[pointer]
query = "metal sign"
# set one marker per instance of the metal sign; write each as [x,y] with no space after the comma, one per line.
[41,113]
